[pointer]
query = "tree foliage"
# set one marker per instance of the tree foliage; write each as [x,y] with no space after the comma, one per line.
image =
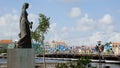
[80,63]
[36,36]
[41,28]
[38,33]
[3,50]
[43,24]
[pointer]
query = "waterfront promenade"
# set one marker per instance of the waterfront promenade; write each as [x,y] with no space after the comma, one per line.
[53,64]
[72,55]
[106,59]
[91,56]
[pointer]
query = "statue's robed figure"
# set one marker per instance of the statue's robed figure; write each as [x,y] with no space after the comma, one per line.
[25,25]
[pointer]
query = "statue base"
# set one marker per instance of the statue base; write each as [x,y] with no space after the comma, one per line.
[20,58]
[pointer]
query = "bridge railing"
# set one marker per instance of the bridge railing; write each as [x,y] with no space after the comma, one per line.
[87,53]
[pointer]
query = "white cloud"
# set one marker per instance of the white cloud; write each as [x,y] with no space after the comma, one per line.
[34,19]
[106,23]
[85,23]
[75,12]
[107,19]
[104,37]
[73,41]
[53,27]
[54,34]
[103,29]
[92,39]
[67,29]
[98,36]
[114,37]
[8,26]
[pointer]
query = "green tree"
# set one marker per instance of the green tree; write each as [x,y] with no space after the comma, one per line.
[4,50]
[80,63]
[35,35]
[37,47]
[43,29]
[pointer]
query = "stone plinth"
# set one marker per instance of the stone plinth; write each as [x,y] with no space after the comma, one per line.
[20,58]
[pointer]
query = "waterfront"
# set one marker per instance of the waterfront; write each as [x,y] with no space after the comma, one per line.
[52,62]
[106,64]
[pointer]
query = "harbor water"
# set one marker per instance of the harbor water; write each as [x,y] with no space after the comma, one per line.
[40,60]
[106,64]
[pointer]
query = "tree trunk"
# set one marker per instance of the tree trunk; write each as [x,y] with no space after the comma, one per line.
[43,49]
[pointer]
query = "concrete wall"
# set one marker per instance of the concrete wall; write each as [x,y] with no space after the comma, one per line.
[20,58]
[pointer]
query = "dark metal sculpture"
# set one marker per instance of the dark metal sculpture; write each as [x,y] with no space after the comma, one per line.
[25,25]
[99,49]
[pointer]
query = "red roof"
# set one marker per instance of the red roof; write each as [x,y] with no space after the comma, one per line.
[5,41]
[115,44]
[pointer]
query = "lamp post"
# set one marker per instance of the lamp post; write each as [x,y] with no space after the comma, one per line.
[99,52]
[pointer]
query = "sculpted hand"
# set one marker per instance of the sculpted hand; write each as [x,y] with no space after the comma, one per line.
[31,24]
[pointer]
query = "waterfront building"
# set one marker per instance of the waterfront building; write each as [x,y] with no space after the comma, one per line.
[37,46]
[90,49]
[119,51]
[62,43]
[62,47]
[115,47]
[47,47]
[78,49]
[5,43]
[72,50]
[56,47]
[107,49]
[84,49]
[53,44]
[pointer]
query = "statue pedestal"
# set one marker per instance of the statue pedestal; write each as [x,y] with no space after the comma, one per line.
[21,58]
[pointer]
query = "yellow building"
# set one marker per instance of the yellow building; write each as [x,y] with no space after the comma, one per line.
[115,47]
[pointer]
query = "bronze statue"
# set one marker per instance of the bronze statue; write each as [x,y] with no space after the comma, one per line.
[25,25]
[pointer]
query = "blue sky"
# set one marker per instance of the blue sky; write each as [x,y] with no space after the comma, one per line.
[76,22]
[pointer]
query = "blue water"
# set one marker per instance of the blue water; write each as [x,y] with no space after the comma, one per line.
[40,60]
[105,64]
[37,60]
[3,60]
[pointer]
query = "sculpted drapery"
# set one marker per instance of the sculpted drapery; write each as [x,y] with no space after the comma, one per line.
[25,25]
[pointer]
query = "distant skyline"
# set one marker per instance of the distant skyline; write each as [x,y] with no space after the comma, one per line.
[77,22]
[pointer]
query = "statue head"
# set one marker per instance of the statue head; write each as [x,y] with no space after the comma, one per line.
[25,5]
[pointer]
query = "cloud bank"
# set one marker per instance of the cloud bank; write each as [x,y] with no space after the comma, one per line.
[9,25]
[96,29]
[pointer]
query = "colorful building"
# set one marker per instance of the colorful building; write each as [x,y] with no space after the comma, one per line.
[115,47]
[5,43]
[56,46]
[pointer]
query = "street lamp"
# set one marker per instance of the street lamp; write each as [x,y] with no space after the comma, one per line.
[99,43]
[99,52]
